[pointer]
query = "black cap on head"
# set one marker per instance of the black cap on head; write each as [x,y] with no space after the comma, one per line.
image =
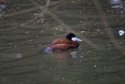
[70,35]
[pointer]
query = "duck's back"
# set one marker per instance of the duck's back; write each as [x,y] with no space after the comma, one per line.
[62,44]
[61,41]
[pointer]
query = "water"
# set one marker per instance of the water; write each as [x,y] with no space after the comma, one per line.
[28,27]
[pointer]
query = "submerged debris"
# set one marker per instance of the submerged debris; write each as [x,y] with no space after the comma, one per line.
[2,6]
[116,3]
[121,32]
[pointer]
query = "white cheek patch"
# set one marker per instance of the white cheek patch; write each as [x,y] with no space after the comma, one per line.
[76,39]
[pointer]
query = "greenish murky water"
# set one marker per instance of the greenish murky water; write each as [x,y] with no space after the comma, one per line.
[28,26]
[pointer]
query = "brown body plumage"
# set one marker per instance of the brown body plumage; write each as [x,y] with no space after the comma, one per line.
[63,43]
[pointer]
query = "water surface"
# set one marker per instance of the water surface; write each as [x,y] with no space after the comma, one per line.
[28,26]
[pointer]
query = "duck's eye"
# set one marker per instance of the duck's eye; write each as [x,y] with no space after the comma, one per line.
[76,39]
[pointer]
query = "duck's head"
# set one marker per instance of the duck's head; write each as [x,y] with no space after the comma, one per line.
[73,37]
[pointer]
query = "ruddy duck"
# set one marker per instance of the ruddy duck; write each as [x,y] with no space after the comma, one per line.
[70,41]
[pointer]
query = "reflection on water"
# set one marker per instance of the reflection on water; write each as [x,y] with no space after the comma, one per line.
[28,26]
